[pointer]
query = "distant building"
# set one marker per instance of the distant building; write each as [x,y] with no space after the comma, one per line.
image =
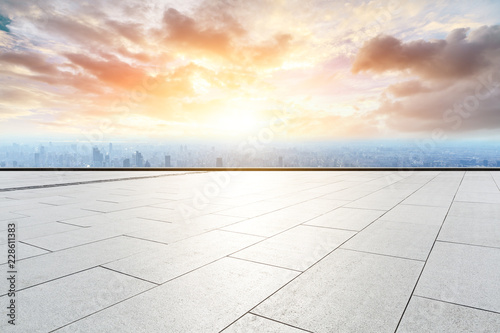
[37,160]
[126,163]
[147,164]
[167,161]
[280,161]
[218,162]
[139,160]
[485,163]
[97,157]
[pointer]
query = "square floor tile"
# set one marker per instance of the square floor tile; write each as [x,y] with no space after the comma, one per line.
[471,230]
[297,248]
[425,215]
[347,291]
[406,240]
[426,315]
[462,274]
[181,257]
[347,218]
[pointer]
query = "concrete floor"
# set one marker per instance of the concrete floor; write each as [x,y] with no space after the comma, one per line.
[322,251]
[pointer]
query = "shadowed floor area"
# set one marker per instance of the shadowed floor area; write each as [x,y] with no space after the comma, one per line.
[264,251]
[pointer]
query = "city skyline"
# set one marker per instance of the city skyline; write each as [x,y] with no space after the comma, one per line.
[227,70]
[346,154]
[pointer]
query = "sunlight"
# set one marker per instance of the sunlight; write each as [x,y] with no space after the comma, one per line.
[236,123]
[200,85]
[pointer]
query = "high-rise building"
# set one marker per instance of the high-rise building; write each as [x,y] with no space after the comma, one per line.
[139,160]
[218,162]
[147,164]
[42,156]
[126,163]
[37,160]
[167,161]
[97,157]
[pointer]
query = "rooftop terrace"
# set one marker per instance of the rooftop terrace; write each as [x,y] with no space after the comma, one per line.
[276,251]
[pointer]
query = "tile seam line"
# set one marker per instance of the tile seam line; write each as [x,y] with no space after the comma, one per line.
[338,247]
[457,304]
[129,275]
[36,187]
[280,322]
[494,180]
[381,254]
[69,247]
[467,244]
[430,251]
[38,247]
[263,263]
[54,279]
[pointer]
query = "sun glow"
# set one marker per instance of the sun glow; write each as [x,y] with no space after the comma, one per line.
[235,124]
[200,85]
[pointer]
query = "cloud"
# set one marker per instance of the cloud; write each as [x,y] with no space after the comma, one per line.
[457,84]
[270,53]
[225,37]
[408,88]
[458,56]
[185,32]
[131,31]
[76,30]
[32,61]
[16,102]
[112,70]
[453,110]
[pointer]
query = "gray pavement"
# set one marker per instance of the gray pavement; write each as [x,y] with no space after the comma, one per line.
[268,251]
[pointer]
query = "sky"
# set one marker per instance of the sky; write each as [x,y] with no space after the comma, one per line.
[227,69]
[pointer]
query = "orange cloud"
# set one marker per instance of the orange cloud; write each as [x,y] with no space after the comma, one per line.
[112,71]
[184,32]
[225,38]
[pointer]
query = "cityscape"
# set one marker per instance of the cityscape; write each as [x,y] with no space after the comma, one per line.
[194,154]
